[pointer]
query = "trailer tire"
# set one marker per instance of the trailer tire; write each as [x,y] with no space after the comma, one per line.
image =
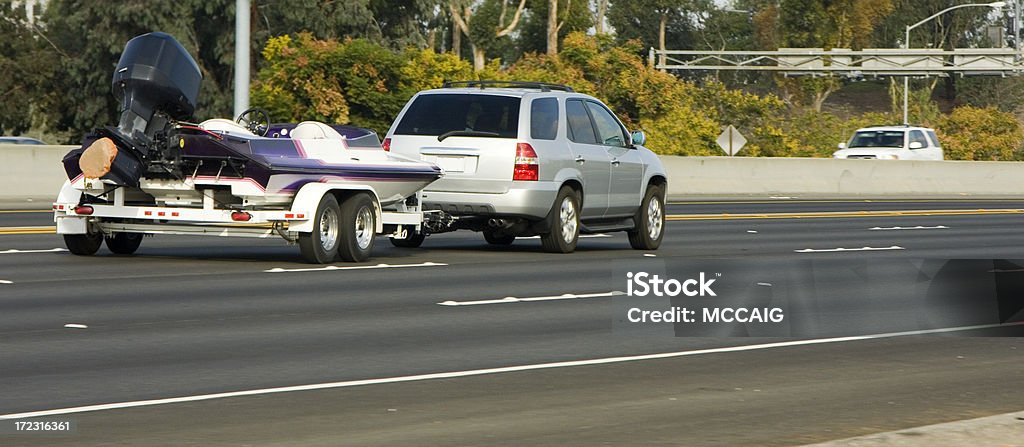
[83,244]
[359,228]
[124,243]
[321,245]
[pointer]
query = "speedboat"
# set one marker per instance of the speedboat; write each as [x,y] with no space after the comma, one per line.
[160,158]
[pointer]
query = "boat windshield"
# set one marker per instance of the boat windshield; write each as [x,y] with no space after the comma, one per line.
[877,138]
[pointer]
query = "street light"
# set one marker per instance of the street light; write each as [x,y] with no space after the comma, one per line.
[906,43]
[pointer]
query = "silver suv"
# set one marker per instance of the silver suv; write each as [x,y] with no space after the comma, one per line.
[526,158]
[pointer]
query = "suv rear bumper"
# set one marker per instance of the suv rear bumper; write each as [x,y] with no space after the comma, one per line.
[532,200]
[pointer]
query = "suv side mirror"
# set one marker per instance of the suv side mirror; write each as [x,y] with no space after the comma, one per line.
[638,138]
[916,145]
[842,145]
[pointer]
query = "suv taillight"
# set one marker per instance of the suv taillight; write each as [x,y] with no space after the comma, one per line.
[526,167]
[386,144]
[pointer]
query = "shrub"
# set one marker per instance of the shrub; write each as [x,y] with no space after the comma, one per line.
[972,133]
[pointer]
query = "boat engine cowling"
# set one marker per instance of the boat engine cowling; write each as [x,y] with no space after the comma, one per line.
[156,79]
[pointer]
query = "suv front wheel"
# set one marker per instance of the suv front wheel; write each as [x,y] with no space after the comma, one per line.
[564,219]
[650,221]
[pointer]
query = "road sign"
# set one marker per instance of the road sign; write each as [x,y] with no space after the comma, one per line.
[731,140]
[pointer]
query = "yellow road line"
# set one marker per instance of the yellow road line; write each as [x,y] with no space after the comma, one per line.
[28,230]
[795,201]
[681,217]
[843,214]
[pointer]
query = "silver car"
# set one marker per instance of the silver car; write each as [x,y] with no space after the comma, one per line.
[524,159]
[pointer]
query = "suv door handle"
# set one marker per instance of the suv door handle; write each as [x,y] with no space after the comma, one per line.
[615,162]
[580,159]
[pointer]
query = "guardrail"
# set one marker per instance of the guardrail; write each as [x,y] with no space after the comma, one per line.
[31,177]
[695,177]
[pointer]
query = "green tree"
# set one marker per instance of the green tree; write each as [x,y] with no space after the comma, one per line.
[394,23]
[822,24]
[487,24]
[354,81]
[573,15]
[89,37]
[26,61]
[670,24]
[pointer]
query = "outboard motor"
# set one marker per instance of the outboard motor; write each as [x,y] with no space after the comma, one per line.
[156,81]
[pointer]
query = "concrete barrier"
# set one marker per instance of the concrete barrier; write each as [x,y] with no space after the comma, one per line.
[731,177]
[31,176]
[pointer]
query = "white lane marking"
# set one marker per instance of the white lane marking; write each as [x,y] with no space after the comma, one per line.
[14,250]
[355,267]
[765,284]
[76,326]
[487,371]
[919,227]
[512,299]
[781,197]
[752,231]
[650,255]
[834,250]
[4,281]
[582,236]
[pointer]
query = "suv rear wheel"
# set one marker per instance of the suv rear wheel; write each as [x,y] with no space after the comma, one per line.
[564,219]
[650,221]
[412,240]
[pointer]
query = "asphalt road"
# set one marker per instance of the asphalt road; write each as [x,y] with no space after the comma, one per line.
[198,316]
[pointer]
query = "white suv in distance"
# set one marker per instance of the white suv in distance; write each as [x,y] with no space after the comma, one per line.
[892,143]
[527,158]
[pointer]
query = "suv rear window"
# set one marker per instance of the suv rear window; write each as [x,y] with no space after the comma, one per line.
[436,114]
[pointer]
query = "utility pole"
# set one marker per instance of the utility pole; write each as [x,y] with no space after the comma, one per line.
[242,13]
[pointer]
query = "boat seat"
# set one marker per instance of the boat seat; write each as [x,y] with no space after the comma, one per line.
[224,125]
[315,130]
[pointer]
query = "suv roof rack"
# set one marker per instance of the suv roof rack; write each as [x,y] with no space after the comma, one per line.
[542,86]
[905,126]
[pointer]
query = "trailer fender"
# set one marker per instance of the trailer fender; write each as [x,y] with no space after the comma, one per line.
[309,195]
[69,224]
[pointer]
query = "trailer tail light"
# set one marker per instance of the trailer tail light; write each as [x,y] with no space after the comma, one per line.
[526,167]
[386,144]
[240,216]
[84,210]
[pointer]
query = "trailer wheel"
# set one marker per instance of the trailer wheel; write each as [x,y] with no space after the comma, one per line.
[321,246]
[83,244]
[124,243]
[359,228]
